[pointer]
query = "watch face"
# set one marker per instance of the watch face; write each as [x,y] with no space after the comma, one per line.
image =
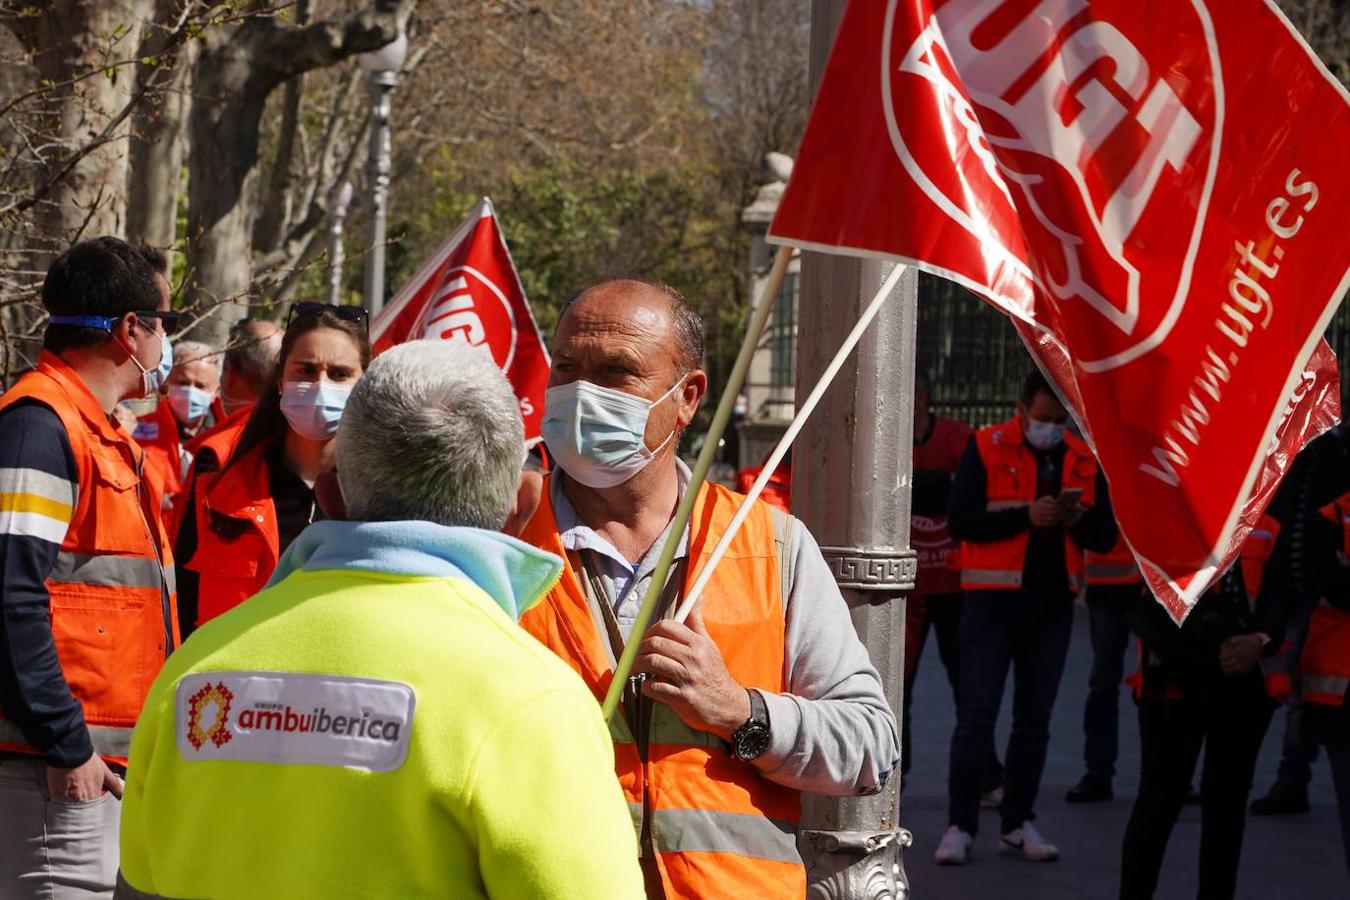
[751,741]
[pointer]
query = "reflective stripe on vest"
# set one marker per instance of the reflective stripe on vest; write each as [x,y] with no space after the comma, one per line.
[1115,566]
[1325,660]
[1325,686]
[996,577]
[111,571]
[1011,482]
[691,795]
[1100,574]
[701,831]
[109,742]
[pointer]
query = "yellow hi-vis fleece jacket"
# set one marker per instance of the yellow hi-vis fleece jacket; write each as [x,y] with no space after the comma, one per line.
[375,724]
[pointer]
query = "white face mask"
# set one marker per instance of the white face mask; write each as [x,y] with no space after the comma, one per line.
[596,434]
[1043,435]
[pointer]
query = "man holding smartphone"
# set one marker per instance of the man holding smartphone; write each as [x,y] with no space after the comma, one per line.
[1027,500]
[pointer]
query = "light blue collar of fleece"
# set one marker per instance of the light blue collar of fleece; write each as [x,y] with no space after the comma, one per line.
[514,574]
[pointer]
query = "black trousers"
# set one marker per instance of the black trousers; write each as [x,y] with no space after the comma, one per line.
[1230,722]
[1107,605]
[1026,632]
[942,616]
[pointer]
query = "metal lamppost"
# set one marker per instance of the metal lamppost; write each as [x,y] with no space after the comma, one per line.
[382,68]
[342,200]
[852,468]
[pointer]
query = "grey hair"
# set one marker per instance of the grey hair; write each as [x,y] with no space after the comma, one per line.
[192,351]
[431,432]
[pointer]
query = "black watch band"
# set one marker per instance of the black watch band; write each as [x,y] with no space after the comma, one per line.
[751,740]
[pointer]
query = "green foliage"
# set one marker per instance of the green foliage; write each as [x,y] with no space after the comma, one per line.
[568,227]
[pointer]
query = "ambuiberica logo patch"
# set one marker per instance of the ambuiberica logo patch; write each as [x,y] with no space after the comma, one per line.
[299,719]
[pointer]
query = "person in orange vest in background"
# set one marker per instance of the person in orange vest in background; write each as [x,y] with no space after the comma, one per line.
[1204,683]
[765,691]
[1027,500]
[183,413]
[247,514]
[1320,474]
[86,588]
[250,361]
[1114,585]
[1324,664]
[936,602]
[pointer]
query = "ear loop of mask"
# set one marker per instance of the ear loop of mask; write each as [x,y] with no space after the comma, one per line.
[676,427]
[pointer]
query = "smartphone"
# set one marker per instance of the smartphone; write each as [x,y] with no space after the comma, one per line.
[1070,496]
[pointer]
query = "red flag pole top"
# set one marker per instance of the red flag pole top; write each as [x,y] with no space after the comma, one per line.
[1152,191]
[469,290]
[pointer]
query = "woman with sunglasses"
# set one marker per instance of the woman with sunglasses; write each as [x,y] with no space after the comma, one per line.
[243,518]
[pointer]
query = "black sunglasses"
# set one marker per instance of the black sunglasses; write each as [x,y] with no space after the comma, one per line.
[346,313]
[167,317]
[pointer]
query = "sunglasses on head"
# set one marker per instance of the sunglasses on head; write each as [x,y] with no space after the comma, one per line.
[346,313]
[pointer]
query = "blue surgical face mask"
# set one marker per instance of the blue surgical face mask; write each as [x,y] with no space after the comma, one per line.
[188,403]
[1043,435]
[314,408]
[596,434]
[155,379]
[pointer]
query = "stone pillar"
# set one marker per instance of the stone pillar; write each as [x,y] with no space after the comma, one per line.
[851,485]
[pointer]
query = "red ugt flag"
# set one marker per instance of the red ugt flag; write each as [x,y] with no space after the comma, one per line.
[1154,191]
[469,291]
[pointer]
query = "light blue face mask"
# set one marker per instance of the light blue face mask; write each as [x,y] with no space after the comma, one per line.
[1044,435]
[314,408]
[188,403]
[152,380]
[596,434]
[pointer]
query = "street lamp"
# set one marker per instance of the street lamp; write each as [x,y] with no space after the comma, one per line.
[342,200]
[381,67]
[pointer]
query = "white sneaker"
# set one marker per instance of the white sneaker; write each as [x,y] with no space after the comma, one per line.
[992,799]
[1026,843]
[954,850]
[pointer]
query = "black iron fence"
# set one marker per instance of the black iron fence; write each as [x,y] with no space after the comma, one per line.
[976,362]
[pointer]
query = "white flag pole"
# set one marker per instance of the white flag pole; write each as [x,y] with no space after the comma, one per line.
[869,313]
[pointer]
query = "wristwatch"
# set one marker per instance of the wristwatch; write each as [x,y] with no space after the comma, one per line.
[751,740]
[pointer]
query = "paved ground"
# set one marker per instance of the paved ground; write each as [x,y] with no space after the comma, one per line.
[1291,858]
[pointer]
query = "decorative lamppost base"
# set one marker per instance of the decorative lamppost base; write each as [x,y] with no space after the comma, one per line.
[856,865]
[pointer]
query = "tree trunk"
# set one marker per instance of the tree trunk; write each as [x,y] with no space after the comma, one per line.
[71,41]
[222,170]
[235,71]
[159,138]
[277,207]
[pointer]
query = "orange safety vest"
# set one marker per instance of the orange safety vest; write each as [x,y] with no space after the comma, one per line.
[157,433]
[222,437]
[1115,566]
[1010,469]
[113,609]
[1324,665]
[717,826]
[1252,558]
[237,539]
